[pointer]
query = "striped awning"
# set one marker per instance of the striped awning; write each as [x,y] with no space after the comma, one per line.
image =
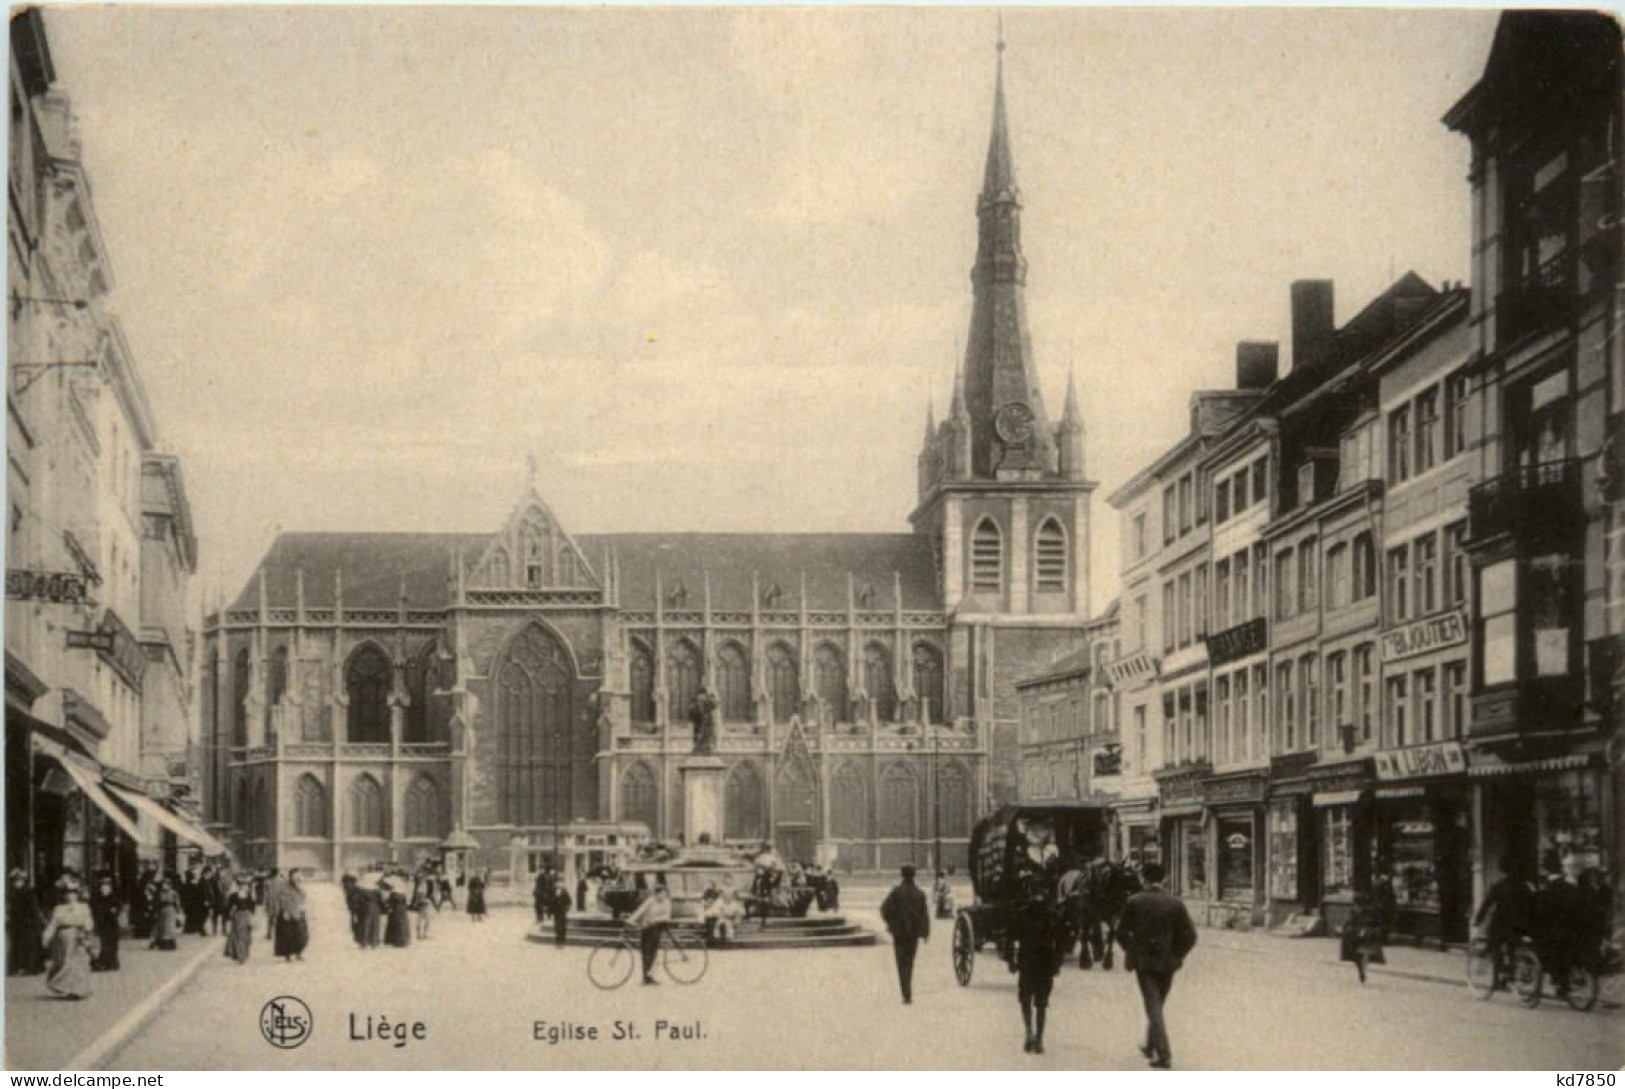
[1479,770]
[165,818]
[88,778]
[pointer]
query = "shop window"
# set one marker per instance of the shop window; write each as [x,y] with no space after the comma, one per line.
[1283,849]
[1337,850]
[1193,856]
[1497,623]
[1412,855]
[1236,859]
[1568,818]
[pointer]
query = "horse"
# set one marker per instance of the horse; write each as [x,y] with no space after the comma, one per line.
[1094,895]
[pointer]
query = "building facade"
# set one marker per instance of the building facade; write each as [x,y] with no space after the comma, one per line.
[1071,747]
[100,549]
[527,690]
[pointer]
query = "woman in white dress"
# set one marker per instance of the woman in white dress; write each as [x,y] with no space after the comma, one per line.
[67,937]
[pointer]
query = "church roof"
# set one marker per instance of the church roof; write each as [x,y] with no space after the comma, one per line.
[373,566]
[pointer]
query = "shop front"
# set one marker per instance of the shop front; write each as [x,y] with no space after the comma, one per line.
[1236,817]
[1539,812]
[1185,833]
[1342,829]
[1423,840]
[1289,839]
[1136,838]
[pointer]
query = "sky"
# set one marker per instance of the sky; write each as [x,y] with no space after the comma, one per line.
[709,266]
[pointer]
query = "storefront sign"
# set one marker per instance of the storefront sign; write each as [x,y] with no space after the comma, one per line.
[60,587]
[1181,787]
[1419,637]
[1242,788]
[91,640]
[1237,642]
[1134,667]
[124,654]
[1440,758]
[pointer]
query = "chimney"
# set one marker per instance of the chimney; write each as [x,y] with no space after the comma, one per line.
[1258,362]
[1311,320]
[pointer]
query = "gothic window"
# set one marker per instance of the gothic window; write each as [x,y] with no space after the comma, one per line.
[733,683]
[829,669]
[744,818]
[420,689]
[309,807]
[259,824]
[782,682]
[987,557]
[899,803]
[423,820]
[366,681]
[877,681]
[928,680]
[276,681]
[239,701]
[796,794]
[536,753]
[640,796]
[1049,557]
[954,801]
[366,805]
[682,678]
[642,671]
[849,803]
[243,816]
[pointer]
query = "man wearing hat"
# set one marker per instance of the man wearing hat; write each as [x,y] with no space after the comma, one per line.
[909,922]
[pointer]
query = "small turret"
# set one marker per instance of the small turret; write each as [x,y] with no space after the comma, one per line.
[930,461]
[956,454]
[1069,436]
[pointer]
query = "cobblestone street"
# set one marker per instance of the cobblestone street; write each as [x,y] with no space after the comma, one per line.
[479,989]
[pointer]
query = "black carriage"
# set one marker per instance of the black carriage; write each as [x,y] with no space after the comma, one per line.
[1008,866]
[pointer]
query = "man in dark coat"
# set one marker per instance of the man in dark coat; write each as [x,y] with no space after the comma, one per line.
[1040,948]
[25,927]
[1508,908]
[909,922]
[104,918]
[143,909]
[542,893]
[560,906]
[1156,934]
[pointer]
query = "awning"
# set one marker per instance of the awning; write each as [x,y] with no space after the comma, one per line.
[171,820]
[87,777]
[1389,793]
[1480,770]
[1336,797]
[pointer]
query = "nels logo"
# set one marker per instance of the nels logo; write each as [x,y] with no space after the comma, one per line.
[286,1022]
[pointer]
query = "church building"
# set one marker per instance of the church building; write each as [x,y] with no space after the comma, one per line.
[505,694]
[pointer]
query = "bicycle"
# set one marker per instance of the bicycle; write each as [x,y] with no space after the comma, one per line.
[612,960]
[1517,968]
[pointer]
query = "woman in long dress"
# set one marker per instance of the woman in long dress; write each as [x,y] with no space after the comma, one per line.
[167,925]
[240,912]
[104,914]
[292,926]
[67,936]
[476,897]
[398,932]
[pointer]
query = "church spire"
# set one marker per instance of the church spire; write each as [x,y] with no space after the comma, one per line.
[1010,433]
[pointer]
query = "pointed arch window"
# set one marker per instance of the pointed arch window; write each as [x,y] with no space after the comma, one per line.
[849,797]
[276,680]
[987,557]
[366,805]
[642,670]
[239,701]
[1049,558]
[783,684]
[733,683]
[682,678]
[366,682]
[954,800]
[743,816]
[796,793]
[539,759]
[829,669]
[640,797]
[423,819]
[928,680]
[309,807]
[899,803]
[877,681]
[420,689]
[259,812]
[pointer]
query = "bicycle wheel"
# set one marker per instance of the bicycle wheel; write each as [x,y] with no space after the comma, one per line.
[610,964]
[684,958]
[1480,971]
[1527,976]
[1582,992]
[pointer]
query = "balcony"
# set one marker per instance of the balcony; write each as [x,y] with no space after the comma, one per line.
[1546,300]
[1544,497]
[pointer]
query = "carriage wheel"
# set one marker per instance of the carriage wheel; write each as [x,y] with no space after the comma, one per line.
[964,949]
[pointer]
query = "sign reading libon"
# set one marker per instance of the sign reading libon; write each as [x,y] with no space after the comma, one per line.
[1418,761]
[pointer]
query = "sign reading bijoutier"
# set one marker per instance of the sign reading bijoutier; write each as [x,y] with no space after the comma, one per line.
[1418,761]
[1420,636]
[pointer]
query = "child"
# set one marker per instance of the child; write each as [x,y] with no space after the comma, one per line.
[1039,946]
[1362,935]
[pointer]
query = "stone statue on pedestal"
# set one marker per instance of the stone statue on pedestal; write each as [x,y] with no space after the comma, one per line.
[702,712]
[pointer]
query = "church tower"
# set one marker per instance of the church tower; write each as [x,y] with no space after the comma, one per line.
[1003,492]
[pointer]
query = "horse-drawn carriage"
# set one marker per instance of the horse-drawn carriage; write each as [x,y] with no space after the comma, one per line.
[1019,854]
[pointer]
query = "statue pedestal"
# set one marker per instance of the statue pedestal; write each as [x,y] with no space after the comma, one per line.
[702,799]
